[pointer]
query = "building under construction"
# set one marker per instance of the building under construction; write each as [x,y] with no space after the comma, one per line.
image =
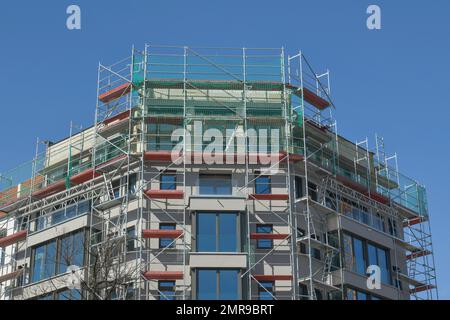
[141,221]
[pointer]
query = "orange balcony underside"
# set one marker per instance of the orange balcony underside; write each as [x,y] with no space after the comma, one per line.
[157,234]
[13,238]
[163,275]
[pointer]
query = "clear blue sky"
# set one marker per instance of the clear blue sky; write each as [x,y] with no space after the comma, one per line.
[394,82]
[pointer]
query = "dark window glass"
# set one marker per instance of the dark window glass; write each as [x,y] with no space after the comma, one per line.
[312,190]
[131,238]
[303,291]
[132,180]
[318,293]
[298,187]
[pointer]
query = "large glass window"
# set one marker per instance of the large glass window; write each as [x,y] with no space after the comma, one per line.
[217,232]
[71,251]
[55,256]
[359,265]
[215,184]
[221,284]
[364,254]
[44,261]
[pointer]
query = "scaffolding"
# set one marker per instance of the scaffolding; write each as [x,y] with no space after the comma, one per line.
[318,181]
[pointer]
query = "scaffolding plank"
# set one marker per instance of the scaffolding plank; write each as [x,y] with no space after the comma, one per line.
[11,275]
[273,277]
[118,117]
[163,275]
[115,93]
[413,221]
[270,196]
[270,236]
[50,190]
[164,156]
[13,238]
[158,233]
[421,288]
[418,254]
[84,176]
[164,194]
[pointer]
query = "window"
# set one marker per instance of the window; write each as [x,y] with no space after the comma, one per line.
[265,290]
[71,251]
[168,181]
[312,190]
[132,180]
[392,227]
[116,188]
[44,261]
[264,243]
[2,256]
[363,254]
[262,185]
[167,290]
[303,289]
[221,284]
[298,183]
[131,238]
[69,295]
[318,294]
[166,242]
[359,264]
[215,184]
[353,294]
[44,221]
[159,136]
[54,257]
[217,232]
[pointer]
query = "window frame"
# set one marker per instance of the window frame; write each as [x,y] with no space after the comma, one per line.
[260,241]
[217,229]
[215,187]
[170,241]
